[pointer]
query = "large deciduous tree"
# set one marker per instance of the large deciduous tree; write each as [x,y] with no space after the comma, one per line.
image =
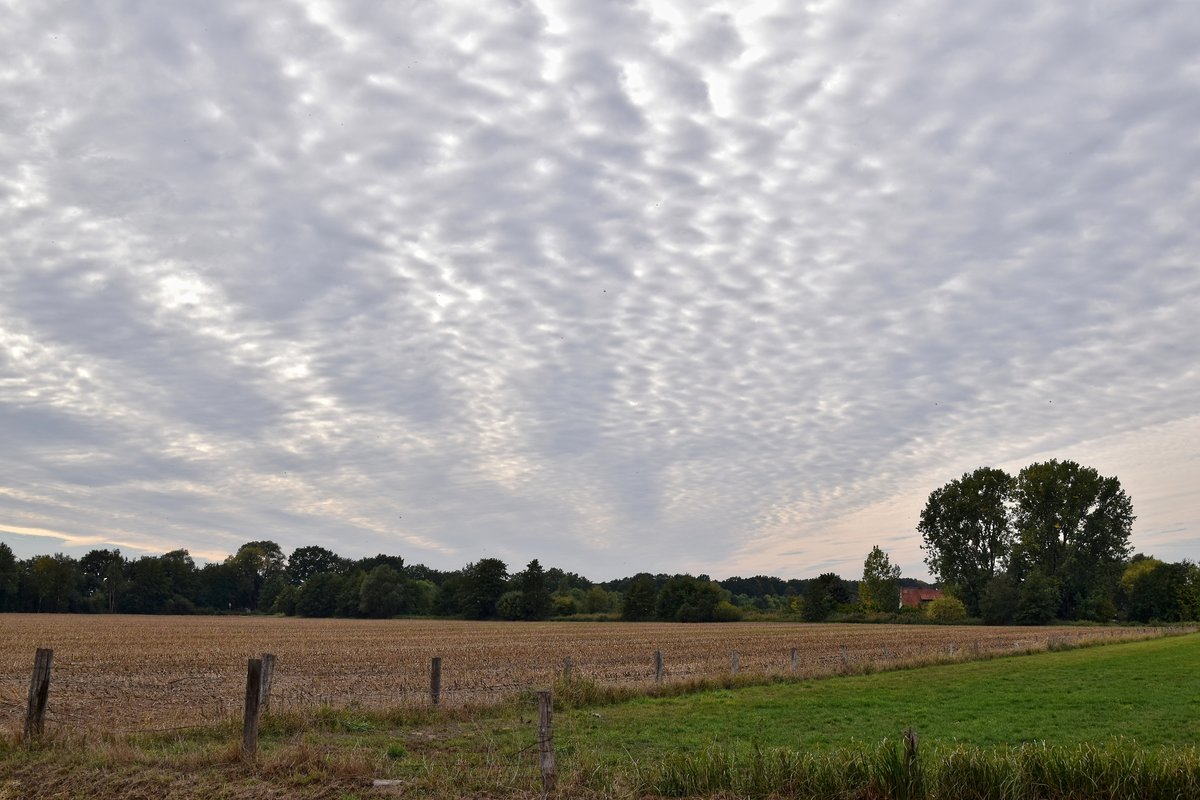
[308,561]
[967,531]
[1073,526]
[483,583]
[640,599]
[880,587]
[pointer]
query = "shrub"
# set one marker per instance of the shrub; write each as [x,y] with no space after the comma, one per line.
[946,609]
[725,611]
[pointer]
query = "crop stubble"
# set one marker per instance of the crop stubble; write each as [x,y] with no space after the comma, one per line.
[157,673]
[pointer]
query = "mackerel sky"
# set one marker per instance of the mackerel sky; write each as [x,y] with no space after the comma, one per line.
[669,285]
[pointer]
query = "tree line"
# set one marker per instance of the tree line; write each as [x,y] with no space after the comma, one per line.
[313,581]
[1051,542]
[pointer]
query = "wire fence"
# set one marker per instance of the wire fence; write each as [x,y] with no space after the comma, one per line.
[144,696]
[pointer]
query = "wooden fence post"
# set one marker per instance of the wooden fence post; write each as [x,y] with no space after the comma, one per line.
[795,659]
[254,673]
[658,666]
[546,741]
[268,676]
[567,669]
[735,661]
[435,680]
[39,693]
[911,764]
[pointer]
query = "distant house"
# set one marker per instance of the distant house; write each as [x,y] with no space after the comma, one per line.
[916,596]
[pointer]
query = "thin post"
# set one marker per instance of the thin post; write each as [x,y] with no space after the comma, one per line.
[912,766]
[734,662]
[435,680]
[795,659]
[268,677]
[567,669]
[546,741]
[254,673]
[39,693]
[658,666]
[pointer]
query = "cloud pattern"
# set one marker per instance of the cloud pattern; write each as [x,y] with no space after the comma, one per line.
[626,285]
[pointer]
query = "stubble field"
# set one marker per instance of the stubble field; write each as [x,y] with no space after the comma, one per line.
[127,673]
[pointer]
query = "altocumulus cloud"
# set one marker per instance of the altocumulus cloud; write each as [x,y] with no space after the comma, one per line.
[723,287]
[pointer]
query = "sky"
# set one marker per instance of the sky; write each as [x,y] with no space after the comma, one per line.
[621,285]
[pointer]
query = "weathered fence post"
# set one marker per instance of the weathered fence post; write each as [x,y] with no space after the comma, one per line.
[735,661]
[658,666]
[795,659]
[546,741]
[39,693]
[254,674]
[567,665]
[912,767]
[268,676]
[435,680]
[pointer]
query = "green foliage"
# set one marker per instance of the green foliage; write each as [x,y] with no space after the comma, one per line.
[483,582]
[381,593]
[308,561]
[318,596]
[598,601]
[946,609]
[535,596]
[1154,590]
[967,531]
[509,606]
[148,589]
[250,567]
[103,578]
[9,579]
[891,770]
[56,582]
[1037,600]
[640,599]
[1073,525]
[725,611]
[688,599]
[880,586]
[563,605]
[998,606]
[826,593]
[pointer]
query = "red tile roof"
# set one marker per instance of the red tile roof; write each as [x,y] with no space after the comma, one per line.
[916,596]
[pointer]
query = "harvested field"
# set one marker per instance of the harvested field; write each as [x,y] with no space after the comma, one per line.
[128,673]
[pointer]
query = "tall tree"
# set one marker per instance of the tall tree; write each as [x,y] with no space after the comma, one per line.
[535,596]
[640,598]
[253,564]
[149,587]
[181,571]
[1073,526]
[825,593]
[381,593]
[56,581]
[10,574]
[880,587]
[483,583]
[308,561]
[103,578]
[968,533]
[689,599]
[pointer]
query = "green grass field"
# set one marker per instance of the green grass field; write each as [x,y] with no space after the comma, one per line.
[1146,692]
